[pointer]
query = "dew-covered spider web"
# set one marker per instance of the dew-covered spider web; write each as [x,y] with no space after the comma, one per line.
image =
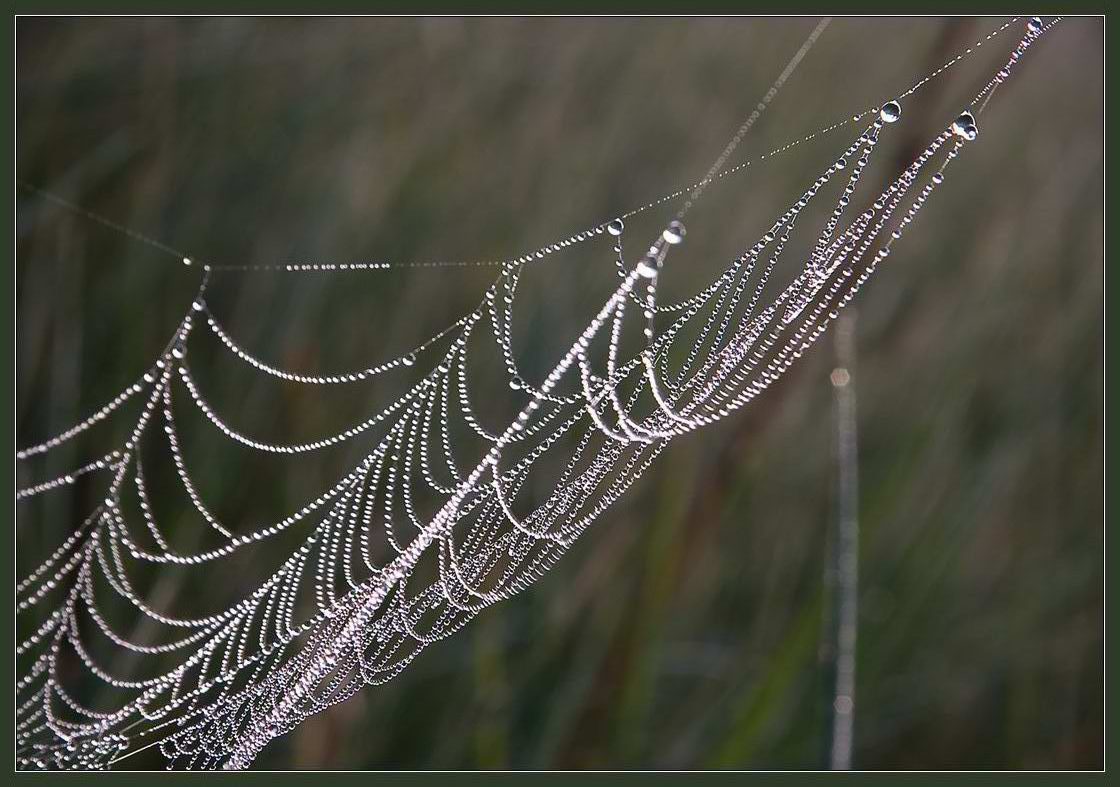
[445,514]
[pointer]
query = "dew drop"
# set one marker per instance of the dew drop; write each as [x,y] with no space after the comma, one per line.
[408,360]
[186,260]
[646,270]
[890,112]
[515,385]
[674,233]
[963,121]
[615,227]
[1034,25]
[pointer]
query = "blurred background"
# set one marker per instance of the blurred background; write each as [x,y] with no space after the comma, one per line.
[687,629]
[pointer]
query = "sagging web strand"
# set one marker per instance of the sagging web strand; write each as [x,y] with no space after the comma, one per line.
[350,605]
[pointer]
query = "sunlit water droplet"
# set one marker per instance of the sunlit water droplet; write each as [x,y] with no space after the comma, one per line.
[962,122]
[674,233]
[1034,25]
[615,227]
[890,112]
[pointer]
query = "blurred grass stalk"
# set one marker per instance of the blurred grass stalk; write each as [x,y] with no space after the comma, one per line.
[842,562]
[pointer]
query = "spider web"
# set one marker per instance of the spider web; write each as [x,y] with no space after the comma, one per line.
[443,517]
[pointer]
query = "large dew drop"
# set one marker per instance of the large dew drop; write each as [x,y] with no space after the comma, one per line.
[615,227]
[962,123]
[1034,25]
[965,126]
[674,233]
[890,112]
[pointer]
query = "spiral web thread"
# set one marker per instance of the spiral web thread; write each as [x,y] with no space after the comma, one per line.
[349,607]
